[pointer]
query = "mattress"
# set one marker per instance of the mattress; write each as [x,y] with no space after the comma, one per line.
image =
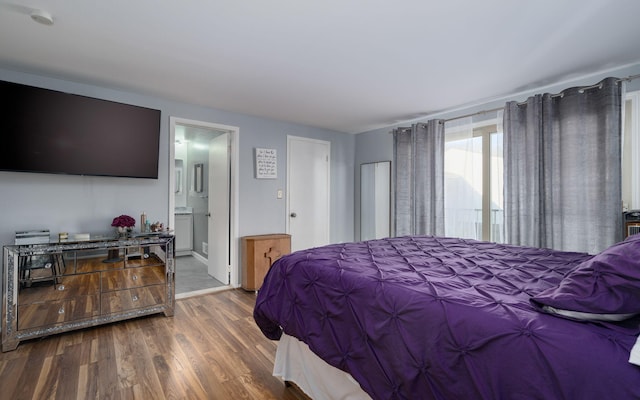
[296,363]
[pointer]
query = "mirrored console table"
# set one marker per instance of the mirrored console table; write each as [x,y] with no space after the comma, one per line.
[60,286]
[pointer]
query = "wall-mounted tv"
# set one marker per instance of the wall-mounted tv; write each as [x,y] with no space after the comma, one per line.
[48,131]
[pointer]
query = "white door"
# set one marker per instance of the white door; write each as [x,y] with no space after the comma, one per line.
[219,214]
[307,192]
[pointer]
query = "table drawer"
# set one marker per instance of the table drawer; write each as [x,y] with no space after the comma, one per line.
[129,278]
[130,299]
[54,312]
[67,287]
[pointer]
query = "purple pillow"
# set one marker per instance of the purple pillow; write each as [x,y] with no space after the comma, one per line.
[605,287]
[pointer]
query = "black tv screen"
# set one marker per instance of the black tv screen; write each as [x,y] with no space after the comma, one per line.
[49,131]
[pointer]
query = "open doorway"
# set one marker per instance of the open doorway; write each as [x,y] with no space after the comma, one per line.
[202,209]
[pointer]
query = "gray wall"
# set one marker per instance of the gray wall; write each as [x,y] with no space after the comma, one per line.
[88,204]
[377,145]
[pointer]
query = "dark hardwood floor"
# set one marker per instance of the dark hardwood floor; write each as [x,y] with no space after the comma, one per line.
[210,349]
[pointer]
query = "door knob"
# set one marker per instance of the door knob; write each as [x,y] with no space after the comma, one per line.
[207,214]
[293,215]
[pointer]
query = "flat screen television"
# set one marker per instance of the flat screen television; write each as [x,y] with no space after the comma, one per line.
[48,131]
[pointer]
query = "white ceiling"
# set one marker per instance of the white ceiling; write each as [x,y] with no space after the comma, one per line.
[345,65]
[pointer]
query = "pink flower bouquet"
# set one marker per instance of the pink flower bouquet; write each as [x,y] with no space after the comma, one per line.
[124,221]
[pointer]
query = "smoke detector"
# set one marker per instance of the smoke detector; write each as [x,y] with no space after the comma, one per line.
[42,17]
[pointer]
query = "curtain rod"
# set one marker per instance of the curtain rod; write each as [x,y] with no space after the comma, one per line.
[474,114]
[597,85]
[403,129]
[627,79]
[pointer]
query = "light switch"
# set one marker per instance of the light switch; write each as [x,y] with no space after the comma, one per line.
[279,195]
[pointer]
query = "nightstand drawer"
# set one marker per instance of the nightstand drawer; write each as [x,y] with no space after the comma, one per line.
[55,312]
[133,277]
[123,300]
[67,287]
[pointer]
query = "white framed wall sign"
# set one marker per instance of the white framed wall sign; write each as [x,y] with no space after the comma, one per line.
[266,163]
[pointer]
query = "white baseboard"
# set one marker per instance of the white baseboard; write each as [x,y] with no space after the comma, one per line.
[202,291]
[199,257]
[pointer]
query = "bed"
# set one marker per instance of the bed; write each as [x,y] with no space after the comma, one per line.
[424,317]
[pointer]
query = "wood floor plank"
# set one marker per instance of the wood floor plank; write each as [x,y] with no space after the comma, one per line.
[45,387]
[13,370]
[87,385]
[67,365]
[107,376]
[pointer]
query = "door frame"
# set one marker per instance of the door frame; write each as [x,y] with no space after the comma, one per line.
[326,143]
[234,133]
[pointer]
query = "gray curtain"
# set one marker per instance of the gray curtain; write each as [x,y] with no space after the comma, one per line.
[562,155]
[419,179]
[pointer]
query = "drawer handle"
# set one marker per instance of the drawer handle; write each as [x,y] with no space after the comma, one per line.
[61,287]
[135,277]
[134,298]
[61,310]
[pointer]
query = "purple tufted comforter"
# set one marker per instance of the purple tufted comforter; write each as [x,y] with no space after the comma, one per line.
[443,318]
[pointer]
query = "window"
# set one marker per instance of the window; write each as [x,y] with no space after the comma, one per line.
[473,187]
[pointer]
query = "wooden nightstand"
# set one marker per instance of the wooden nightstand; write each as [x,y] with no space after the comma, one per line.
[258,253]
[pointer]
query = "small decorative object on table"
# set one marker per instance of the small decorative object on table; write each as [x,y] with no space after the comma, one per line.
[143,222]
[124,224]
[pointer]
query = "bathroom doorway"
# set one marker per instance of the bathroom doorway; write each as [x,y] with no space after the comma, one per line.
[203,215]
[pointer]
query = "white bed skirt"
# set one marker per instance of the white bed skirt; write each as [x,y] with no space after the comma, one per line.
[296,363]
